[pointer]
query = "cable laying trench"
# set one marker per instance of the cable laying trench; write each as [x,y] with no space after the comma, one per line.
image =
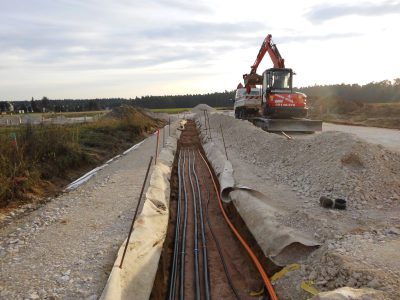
[203,259]
[254,258]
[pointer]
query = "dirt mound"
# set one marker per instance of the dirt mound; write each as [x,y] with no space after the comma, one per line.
[125,111]
[202,107]
[134,118]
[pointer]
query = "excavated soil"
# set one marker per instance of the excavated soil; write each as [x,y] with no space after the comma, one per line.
[244,275]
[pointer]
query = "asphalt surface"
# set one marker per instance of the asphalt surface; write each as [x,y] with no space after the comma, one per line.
[389,138]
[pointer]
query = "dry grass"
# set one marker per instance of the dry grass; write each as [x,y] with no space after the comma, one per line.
[46,153]
[386,115]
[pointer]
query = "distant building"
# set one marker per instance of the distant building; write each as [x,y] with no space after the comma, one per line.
[6,107]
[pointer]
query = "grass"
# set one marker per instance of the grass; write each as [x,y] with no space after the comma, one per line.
[170,110]
[45,156]
[77,114]
[48,115]
[224,108]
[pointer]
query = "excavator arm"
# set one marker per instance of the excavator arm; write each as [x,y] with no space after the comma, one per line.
[267,46]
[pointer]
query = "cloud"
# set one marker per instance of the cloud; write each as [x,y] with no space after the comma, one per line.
[115,34]
[305,38]
[322,13]
[45,42]
[196,31]
[189,6]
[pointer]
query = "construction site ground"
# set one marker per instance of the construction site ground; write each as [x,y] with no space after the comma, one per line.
[67,247]
[359,245]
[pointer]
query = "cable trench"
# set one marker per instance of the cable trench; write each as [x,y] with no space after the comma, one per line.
[199,270]
[253,257]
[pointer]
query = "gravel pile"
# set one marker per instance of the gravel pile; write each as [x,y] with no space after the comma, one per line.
[202,107]
[360,244]
[335,164]
[333,265]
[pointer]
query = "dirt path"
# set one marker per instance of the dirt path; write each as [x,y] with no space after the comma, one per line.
[66,248]
[389,138]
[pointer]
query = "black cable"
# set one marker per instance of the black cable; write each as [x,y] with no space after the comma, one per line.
[172,285]
[195,236]
[203,236]
[219,250]
[182,270]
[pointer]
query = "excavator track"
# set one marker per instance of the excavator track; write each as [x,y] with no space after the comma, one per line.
[287,125]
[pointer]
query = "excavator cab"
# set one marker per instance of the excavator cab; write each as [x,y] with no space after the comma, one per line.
[278,98]
[278,81]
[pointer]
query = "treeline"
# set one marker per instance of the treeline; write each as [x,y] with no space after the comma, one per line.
[187,101]
[374,92]
[223,99]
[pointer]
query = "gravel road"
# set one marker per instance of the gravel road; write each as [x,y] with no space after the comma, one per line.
[389,138]
[66,248]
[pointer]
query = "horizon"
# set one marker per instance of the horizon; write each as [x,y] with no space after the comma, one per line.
[68,49]
[173,95]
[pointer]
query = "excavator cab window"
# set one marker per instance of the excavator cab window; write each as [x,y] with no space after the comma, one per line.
[278,80]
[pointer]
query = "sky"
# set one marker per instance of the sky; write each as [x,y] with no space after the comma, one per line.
[131,48]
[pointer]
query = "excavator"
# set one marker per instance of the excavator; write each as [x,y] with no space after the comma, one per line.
[279,108]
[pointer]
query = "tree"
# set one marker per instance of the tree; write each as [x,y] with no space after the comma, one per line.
[34,107]
[45,103]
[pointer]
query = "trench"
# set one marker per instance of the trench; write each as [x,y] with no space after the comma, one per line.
[215,264]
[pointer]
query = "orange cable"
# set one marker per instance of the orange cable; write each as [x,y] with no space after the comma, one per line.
[254,258]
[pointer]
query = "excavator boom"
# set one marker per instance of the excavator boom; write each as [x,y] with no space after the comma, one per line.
[253,78]
[270,47]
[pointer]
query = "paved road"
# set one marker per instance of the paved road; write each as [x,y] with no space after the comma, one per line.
[389,138]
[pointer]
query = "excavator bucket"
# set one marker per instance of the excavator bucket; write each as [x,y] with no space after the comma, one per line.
[252,79]
[289,125]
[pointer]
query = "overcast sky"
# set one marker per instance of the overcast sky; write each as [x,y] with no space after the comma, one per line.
[128,48]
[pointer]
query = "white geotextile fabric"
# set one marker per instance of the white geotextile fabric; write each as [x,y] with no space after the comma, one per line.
[347,293]
[135,279]
[283,245]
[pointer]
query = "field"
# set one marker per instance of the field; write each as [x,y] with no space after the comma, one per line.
[170,110]
[385,115]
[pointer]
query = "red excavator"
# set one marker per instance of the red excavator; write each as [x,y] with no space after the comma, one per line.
[281,109]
